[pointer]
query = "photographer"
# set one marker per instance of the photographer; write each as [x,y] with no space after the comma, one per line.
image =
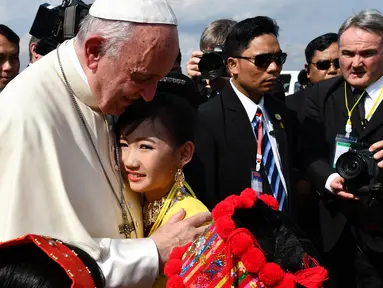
[214,35]
[340,113]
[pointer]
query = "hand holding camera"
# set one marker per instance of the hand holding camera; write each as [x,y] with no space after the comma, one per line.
[192,64]
[360,171]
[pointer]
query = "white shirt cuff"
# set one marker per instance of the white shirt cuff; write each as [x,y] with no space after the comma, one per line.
[128,262]
[329,180]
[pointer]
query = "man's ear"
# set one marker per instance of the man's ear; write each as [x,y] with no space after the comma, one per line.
[232,65]
[93,51]
[307,68]
[186,153]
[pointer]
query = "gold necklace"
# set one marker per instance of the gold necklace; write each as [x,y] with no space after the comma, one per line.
[151,211]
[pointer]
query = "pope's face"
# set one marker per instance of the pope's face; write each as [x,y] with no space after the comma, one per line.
[143,60]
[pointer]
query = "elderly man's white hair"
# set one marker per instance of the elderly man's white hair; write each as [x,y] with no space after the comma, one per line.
[115,20]
[114,32]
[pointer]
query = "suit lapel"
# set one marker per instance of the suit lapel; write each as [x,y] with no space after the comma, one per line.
[239,129]
[276,117]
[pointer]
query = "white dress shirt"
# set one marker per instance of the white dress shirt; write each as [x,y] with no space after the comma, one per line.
[251,109]
[373,93]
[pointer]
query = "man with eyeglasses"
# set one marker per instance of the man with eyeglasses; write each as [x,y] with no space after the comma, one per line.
[243,138]
[340,113]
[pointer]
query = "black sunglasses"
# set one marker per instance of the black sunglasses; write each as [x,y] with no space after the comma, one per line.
[326,64]
[264,60]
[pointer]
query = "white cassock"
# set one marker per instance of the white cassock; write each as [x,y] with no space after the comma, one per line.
[51,181]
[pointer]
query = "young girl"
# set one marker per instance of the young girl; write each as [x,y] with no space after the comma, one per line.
[156,143]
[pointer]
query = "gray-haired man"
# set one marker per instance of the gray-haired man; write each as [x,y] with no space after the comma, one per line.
[338,113]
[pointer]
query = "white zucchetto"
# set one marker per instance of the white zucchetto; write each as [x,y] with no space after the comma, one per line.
[138,11]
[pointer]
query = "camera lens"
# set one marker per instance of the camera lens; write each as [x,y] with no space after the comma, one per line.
[350,165]
[211,66]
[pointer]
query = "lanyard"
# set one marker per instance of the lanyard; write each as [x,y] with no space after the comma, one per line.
[349,112]
[373,108]
[259,145]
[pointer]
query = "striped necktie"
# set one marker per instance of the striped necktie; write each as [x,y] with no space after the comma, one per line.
[268,162]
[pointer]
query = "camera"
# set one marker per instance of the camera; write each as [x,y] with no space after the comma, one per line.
[213,64]
[360,171]
[54,25]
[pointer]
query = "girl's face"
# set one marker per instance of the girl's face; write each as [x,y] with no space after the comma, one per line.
[151,159]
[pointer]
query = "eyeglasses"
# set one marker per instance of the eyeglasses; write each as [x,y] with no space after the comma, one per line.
[264,60]
[326,64]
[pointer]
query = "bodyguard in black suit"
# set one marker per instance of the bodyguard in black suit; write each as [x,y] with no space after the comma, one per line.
[352,226]
[226,145]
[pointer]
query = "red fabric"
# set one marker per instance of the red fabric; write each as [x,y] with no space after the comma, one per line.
[61,254]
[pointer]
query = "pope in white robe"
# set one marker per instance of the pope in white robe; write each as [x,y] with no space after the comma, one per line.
[51,181]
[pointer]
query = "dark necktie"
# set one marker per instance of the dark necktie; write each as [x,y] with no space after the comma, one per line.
[362,111]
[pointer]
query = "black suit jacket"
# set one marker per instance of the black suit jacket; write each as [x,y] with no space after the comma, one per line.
[324,115]
[226,146]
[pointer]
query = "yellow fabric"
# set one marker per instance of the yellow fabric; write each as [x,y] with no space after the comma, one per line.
[192,206]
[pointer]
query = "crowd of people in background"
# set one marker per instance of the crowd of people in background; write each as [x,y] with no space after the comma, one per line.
[118,170]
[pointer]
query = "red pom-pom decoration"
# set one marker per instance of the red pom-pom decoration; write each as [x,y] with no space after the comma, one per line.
[240,243]
[249,193]
[235,200]
[175,282]
[178,252]
[225,226]
[253,260]
[222,209]
[173,266]
[288,281]
[271,274]
[270,201]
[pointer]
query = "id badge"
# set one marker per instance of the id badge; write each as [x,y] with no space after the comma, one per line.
[342,145]
[256,182]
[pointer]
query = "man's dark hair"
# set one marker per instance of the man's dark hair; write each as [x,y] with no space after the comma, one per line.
[245,31]
[28,266]
[32,40]
[10,35]
[320,43]
[215,33]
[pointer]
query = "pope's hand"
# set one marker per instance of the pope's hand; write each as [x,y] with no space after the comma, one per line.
[178,232]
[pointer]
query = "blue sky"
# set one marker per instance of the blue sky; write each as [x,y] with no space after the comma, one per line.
[300,20]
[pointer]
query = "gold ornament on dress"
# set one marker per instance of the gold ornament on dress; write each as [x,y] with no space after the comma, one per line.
[152,210]
[180,179]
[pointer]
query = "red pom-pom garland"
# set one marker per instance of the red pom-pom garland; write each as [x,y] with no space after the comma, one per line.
[243,245]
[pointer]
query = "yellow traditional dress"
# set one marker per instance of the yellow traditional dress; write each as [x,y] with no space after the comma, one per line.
[159,212]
